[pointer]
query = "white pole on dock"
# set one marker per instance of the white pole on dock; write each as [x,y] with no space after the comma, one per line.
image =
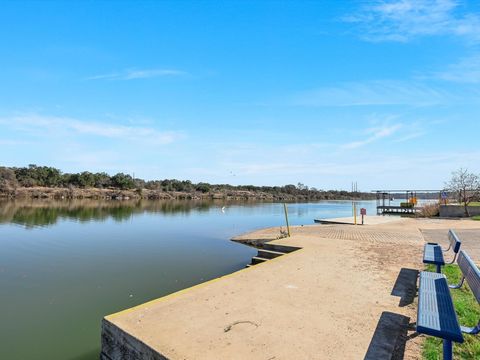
[355,213]
[286,218]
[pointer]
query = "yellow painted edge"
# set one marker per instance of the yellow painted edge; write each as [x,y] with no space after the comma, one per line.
[180,292]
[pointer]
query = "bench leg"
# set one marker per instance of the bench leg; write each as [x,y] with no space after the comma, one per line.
[439,268]
[447,350]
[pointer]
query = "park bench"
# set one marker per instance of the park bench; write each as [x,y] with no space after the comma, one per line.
[436,314]
[433,252]
[471,273]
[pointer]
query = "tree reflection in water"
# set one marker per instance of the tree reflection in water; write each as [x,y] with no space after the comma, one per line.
[32,213]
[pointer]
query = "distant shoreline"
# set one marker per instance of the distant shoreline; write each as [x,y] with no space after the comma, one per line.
[44,182]
[39,192]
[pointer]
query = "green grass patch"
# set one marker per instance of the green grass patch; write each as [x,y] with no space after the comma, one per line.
[476,217]
[468,312]
[473,203]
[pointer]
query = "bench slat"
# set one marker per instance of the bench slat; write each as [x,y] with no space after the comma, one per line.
[471,273]
[436,314]
[433,254]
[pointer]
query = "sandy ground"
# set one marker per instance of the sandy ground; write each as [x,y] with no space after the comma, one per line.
[321,302]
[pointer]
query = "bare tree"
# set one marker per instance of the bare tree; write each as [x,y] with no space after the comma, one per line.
[466,185]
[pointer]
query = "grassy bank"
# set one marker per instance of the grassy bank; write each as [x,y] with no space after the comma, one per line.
[468,312]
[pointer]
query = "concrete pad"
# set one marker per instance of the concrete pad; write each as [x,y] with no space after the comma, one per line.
[470,239]
[321,302]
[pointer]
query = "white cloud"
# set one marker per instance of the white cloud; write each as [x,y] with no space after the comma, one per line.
[467,70]
[411,136]
[336,172]
[76,157]
[61,126]
[133,74]
[402,20]
[374,134]
[379,92]
[8,142]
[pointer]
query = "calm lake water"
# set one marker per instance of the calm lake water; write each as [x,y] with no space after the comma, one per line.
[65,265]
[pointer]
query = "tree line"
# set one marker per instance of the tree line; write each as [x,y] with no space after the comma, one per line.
[44,176]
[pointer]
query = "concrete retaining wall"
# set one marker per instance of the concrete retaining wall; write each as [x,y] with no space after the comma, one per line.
[458,211]
[118,345]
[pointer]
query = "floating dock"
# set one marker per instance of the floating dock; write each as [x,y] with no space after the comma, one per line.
[368,220]
[398,210]
[333,222]
[409,201]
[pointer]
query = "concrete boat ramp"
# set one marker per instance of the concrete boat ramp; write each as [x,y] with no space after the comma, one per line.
[324,301]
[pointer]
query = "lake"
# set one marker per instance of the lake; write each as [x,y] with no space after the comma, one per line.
[66,264]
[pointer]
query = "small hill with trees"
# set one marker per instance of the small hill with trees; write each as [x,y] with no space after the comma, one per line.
[48,182]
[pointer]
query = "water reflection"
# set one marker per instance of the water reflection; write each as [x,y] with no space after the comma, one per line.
[49,212]
[41,213]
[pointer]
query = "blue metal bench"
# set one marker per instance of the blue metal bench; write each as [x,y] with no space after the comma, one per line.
[433,252]
[436,314]
[470,273]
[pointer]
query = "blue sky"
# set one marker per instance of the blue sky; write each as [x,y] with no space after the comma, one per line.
[386,93]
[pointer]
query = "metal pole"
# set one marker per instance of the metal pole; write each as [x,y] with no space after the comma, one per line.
[447,349]
[286,218]
[355,213]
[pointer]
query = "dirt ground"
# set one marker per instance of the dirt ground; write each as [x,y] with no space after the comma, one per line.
[344,295]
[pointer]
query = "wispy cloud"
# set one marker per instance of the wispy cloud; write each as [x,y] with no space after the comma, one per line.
[402,20]
[432,169]
[373,134]
[467,70]
[53,125]
[8,142]
[134,74]
[370,93]
[410,136]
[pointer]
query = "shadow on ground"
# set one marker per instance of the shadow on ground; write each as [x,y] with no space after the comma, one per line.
[391,334]
[406,286]
[390,337]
